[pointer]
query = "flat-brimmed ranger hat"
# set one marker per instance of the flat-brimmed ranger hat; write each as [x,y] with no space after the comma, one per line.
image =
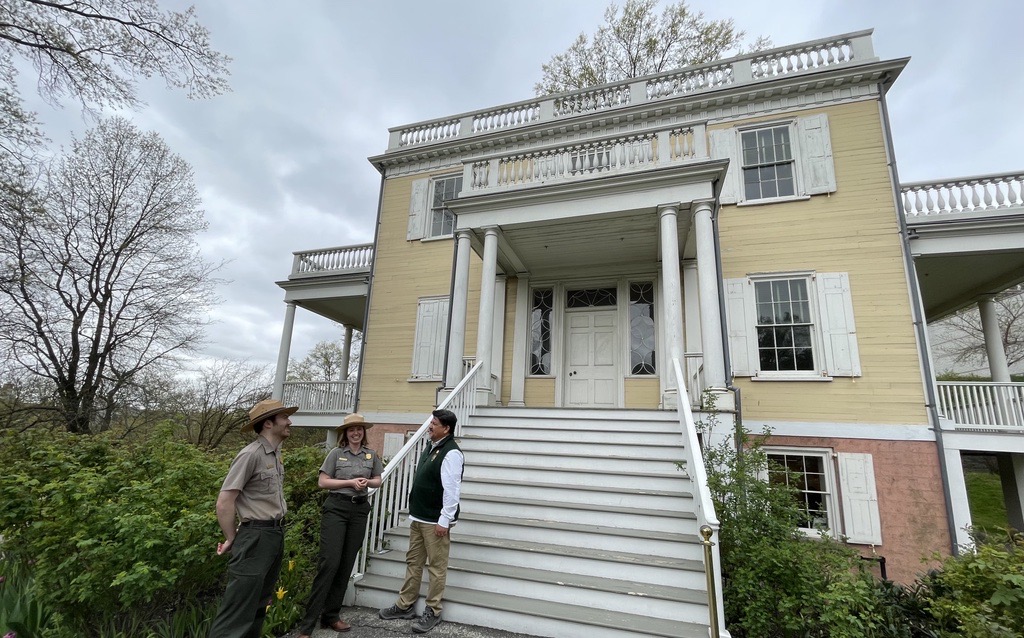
[267,409]
[351,421]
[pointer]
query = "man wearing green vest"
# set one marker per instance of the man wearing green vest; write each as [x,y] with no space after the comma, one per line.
[433,509]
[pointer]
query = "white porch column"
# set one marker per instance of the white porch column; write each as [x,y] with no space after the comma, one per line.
[346,352]
[1011,475]
[485,329]
[460,296]
[519,340]
[958,495]
[284,351]
[672,304]
[997,365]
[710,314]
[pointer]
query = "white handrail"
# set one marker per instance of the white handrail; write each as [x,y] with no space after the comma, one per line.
[393,494]
[694,457]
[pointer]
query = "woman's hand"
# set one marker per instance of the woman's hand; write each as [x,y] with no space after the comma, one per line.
[360,483]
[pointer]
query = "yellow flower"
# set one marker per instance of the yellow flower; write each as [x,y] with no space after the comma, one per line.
[281,591]
[291,565]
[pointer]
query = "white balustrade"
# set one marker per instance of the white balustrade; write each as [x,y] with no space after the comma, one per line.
[741,70]
[393,494]
[320,397]
[326,260]
[980,405]
[515,115]
[802,58]
[981,193]
[690,81]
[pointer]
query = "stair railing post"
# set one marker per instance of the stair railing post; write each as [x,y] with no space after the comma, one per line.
[709,571]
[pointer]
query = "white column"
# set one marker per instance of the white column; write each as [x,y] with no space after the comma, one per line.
[958,497]
[997,365]
[710,314]
[346,352]
[284,351]
[486,319]
[519,342]
[672,303]
[1011,475]
[460,296]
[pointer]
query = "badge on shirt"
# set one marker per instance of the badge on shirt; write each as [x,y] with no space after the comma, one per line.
[368,456]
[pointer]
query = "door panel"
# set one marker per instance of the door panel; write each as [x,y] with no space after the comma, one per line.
[591,374]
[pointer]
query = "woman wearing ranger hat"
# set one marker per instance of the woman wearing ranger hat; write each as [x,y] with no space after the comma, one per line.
[347,472]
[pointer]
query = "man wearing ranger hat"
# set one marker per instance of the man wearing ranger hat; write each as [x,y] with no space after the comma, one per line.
[250,511]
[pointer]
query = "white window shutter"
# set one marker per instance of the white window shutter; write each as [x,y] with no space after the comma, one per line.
[838,332]
[418,209]
[818,170]
[742,321]
[723,146]
[860,500]
[429,344]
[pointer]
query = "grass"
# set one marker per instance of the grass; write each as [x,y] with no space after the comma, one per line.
[985,494]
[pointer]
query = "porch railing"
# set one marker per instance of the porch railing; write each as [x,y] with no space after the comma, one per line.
[467,365]
[694,369]
[983,405]
[320,397]
[977,194]
[705,508]
[326,260]
[393,494]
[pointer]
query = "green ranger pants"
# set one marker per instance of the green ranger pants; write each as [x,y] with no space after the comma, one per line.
[252,573]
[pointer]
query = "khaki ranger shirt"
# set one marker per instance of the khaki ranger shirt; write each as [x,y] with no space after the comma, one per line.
[258,474]
[344,464]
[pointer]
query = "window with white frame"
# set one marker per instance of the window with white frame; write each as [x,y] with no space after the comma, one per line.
[541,306]
[835,492]
[431,337]
[767,158]
[442,220]
[812,481]
[775,160]
[641,328]
[792,326]
[428,215]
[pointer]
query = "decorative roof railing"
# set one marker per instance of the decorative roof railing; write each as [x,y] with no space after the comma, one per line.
[977,194]
[332,260]
[762,66]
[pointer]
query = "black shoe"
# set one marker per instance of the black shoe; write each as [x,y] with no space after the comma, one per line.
[394,612]
[427,621]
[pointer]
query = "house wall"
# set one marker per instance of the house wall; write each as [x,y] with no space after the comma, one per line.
[404,271]
[853,230]
[643,394]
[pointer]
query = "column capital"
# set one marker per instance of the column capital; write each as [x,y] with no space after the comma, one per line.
[703,205]
[668,209]
[490,230]
[463,234]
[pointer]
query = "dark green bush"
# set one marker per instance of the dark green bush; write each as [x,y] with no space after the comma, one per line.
[122,533]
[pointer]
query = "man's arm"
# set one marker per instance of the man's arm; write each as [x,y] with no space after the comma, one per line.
[226,519]
[451,481]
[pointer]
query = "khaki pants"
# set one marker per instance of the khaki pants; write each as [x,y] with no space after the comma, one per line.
[425,547]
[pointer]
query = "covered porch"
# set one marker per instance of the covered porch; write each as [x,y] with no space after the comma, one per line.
[615,275]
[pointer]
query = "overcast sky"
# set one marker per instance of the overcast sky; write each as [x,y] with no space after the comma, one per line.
[281,161]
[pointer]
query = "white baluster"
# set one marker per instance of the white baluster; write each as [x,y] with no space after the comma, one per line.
[1000,198]
[920,205]
[930,201]
[988,195]
[964,201]
[975,198]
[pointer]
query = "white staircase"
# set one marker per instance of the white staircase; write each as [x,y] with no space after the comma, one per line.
[573,523]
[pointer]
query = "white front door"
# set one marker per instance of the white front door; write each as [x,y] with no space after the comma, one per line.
[591,371]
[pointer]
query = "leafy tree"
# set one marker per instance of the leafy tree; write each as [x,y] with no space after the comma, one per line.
[96,52]
[100,275]
[639,42]
[965,342]
[324,361]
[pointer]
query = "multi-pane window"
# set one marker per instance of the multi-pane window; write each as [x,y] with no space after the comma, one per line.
[784,326]
[768,165]
[809,476]
[442,220]
[641,328]
[540,331]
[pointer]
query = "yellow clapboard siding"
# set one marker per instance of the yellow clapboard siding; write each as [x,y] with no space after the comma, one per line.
[853,230]
[540,393]
[643,393]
